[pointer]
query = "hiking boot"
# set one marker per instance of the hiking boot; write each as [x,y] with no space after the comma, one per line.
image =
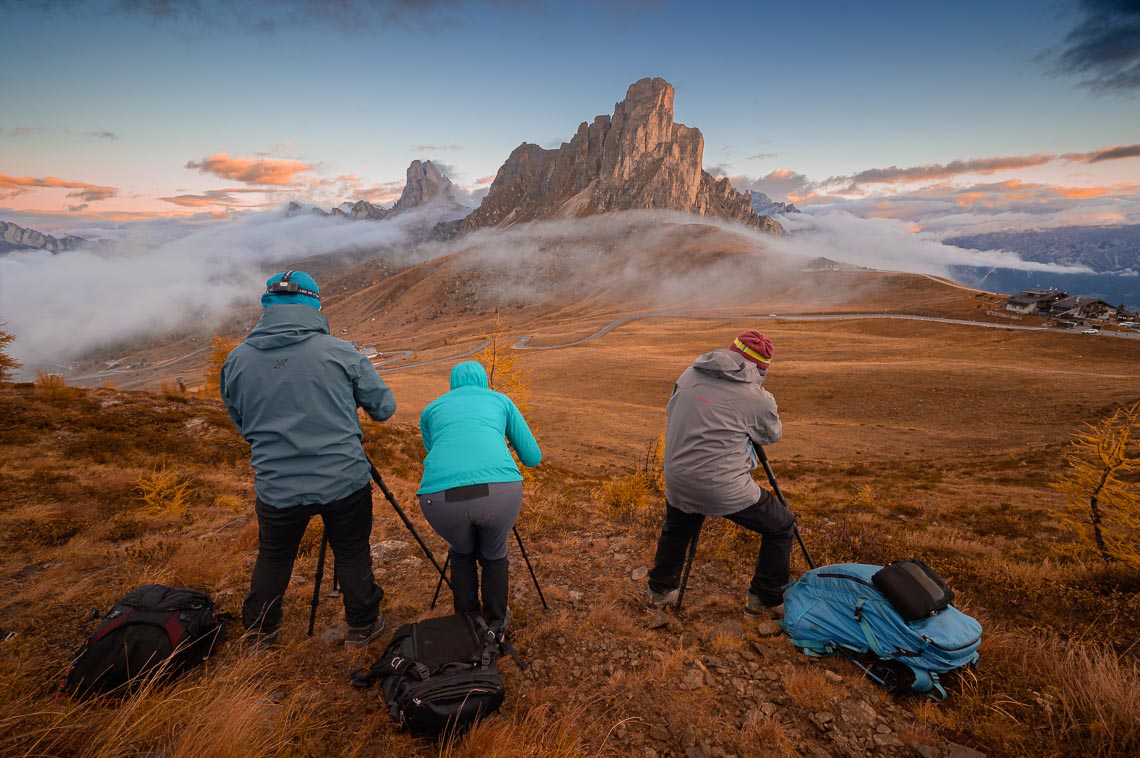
[360,636]
[502,628]
[754,606]
[661,600]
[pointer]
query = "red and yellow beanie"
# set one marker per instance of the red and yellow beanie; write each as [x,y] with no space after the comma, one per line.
[754,346]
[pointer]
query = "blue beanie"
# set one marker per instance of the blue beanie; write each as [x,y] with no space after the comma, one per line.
[303,281]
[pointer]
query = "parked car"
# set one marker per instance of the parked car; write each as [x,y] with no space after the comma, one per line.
[1091,331]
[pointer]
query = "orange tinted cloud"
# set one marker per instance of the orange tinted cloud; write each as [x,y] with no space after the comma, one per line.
[1109,153]
[11,186]
[278,172]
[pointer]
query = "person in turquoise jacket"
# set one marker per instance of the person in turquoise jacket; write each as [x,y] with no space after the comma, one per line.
[471,491]
[292,390]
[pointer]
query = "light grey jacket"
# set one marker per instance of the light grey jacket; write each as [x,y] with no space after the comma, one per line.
[718,411]
[292,390]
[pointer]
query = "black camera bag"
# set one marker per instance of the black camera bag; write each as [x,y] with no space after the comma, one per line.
[913,588]
[439,675]
[154,630]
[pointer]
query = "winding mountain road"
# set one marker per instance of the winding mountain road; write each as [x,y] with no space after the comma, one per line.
[384,359]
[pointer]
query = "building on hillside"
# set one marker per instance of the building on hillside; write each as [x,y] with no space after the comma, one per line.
[1080,306]
[1035,301]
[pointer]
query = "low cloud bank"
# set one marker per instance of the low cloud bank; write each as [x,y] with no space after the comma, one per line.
[156,277]
[892,245]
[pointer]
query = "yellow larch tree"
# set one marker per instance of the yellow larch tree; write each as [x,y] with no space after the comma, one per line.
[1101,483]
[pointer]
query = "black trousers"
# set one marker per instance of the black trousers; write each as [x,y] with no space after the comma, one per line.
[767,516]
[348,524]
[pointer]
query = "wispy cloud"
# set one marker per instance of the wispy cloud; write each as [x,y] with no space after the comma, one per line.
[102,134]
[436,148]
[935,172]
[278,172]
[223,197]
[268,16]
[761,157]
[24,131]
[1110,153]
[1104,46]
[11,186]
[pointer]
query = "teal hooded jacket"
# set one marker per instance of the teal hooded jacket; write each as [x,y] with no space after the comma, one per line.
[293,390]
[464,430]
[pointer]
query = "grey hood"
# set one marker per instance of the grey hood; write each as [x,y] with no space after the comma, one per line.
[282,325]
[725,364]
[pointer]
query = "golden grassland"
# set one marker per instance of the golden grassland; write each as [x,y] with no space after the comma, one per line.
[901,440]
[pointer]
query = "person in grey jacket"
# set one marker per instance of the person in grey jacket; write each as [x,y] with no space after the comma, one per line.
[292,390]
[718,413]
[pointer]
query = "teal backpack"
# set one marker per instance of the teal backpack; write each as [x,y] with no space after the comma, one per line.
[839,609]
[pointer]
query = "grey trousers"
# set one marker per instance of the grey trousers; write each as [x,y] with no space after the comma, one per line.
[476,521]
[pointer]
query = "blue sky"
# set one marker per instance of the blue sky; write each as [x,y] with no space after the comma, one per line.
[121,95]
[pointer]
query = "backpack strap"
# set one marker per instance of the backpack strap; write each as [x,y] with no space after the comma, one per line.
[928,682]
[111,622]
[868,632]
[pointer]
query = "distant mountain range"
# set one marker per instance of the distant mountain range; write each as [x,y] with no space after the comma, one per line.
[766,206]
[15,237]
[1105,249]
[637,159]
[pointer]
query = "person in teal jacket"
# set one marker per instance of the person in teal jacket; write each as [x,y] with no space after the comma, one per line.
[471,491]
[292,390]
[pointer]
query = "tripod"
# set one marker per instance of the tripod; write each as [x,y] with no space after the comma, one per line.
[407,522]
[518,538]
[763,457]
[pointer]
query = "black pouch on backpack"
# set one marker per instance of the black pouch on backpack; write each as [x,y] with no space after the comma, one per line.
[439,675]
[913,588]
[154,630]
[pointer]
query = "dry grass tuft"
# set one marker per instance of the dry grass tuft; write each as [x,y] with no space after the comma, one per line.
[545,731]
[810,688]
[762,730]
[1087,695]
[237,709]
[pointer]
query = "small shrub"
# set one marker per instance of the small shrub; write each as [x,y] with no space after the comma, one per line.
[8,364]
[52,387]
[165,491]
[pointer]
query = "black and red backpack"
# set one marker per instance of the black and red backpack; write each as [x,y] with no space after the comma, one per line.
[154,630]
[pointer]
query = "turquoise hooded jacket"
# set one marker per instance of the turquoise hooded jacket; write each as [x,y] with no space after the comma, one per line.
[292,391]
[464,430]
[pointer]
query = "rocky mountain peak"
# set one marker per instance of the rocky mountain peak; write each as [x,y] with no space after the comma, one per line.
[16,237]
[638,158]
[426,184]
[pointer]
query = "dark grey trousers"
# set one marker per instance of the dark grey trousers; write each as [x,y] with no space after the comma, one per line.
[348,524]
[476,521]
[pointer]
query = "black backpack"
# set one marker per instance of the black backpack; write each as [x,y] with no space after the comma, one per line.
[439,675]
[152,630]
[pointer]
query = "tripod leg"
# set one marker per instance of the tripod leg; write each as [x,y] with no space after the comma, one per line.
[780,496]
[317,581]
[439,584]
[407,522]
[526,558]
[688,567]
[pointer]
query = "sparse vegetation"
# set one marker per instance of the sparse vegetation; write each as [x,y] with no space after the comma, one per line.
[8,364]
[220,348]
[1058,667]
[504,374]
[1101,486]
